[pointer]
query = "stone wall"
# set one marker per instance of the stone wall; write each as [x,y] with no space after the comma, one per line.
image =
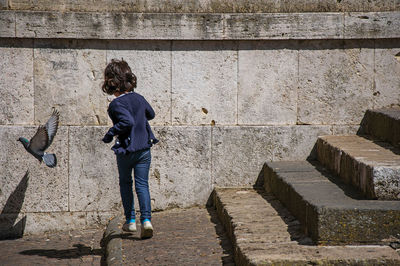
[224,105]
[203,6]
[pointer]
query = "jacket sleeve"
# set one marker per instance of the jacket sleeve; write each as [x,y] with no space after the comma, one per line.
[124,120]
[150,114]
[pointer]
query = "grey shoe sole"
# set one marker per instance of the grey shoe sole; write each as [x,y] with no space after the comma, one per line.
[146,233]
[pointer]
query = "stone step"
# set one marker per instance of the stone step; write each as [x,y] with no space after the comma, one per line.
[371,166]
[331,212]
[383,124]
[263,232]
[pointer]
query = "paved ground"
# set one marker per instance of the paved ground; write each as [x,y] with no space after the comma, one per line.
[182,237]
[63,248]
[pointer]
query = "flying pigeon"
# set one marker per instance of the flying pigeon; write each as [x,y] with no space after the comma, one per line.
[42,139]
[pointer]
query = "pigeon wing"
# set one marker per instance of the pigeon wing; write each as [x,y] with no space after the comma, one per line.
[52,126]
[39,141]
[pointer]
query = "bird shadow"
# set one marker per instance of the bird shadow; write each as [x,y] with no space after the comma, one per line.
[8,228]
[76,252]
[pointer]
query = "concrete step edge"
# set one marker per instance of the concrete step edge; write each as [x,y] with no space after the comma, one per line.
[255,252]
[331,212]
[371,166]
[112,242]
[383,123]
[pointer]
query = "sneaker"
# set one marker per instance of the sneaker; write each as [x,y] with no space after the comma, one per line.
[129,227]
[146,229]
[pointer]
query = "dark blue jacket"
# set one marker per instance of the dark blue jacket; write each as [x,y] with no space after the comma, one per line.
[130,113]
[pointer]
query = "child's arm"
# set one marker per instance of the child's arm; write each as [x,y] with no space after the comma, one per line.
[124,124]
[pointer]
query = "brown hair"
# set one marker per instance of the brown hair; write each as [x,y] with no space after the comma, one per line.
[118,77]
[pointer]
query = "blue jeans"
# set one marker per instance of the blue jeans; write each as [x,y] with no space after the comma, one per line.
[139,161]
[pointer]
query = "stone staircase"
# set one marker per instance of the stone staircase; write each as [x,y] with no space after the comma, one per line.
[342,209]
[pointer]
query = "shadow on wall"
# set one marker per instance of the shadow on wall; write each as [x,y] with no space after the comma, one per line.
[9,214]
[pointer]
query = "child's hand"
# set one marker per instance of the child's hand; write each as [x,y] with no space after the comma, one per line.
[107,138]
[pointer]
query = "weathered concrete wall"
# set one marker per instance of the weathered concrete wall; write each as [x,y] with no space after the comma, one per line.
[223,109]
[199,26]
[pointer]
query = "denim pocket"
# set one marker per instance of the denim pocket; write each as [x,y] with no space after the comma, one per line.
[146,155]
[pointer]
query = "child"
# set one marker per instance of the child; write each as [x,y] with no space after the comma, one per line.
[130,113]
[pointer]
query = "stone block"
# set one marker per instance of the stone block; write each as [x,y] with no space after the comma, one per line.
[366,6]
[180,174]
[320,26]
[75,25]
[7,24]
[383,124]
[345,130]
[238,154]
[68,76]
[151,6]
[62,5]
[205,26]
[387,69]
[16,66]
[288,6]
[372,25]
[386,182]
[93,174]
[284,26]
[26,185]
[296,142]
[204,83]
[150,61]
[317,198]
[366,225]
[37,223]
[285,167]
[167,26]
[335,81]
[205,6]
[100,218]
[267,91]
[263,232]
[91,25]
[23,224]
[227,6]
[370,166]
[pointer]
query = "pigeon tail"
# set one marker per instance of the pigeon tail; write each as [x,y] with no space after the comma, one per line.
[50,159]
